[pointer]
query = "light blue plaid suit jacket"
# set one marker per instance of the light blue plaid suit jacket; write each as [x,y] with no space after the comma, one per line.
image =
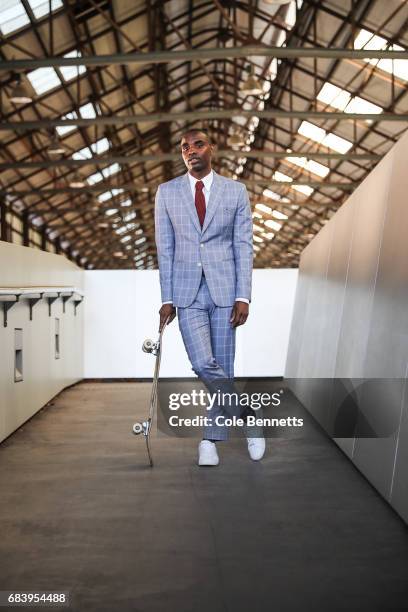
[222,248]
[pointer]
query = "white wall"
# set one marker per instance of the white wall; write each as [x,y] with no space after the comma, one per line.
[26,266]
[121,310]
[44,376]
[104,340]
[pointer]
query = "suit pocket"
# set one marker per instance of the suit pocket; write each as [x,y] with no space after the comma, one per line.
[226,214]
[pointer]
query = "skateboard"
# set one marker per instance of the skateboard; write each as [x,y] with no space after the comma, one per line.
[144,427]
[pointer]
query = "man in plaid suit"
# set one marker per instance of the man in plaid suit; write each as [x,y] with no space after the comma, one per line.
[204,245]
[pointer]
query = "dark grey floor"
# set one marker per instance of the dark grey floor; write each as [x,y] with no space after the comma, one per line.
[80,511]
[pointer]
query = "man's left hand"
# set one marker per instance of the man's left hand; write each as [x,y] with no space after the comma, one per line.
[239,313]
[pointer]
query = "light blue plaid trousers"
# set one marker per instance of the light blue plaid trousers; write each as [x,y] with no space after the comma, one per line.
[209,340]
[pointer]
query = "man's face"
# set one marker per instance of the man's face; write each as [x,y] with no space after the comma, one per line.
[196,151]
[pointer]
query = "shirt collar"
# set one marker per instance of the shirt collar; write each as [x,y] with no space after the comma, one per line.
[207,180]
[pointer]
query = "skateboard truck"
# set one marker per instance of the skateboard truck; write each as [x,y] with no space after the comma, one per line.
[144,427]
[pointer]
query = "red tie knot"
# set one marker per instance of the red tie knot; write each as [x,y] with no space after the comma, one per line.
[199,185]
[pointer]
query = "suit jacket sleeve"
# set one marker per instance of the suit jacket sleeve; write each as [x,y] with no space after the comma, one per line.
[242,245]
[165,246]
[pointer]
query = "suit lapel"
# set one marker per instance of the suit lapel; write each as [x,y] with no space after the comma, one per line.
[216,190]
[189,201]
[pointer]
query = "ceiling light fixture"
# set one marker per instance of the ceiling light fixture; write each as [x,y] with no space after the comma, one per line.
[277,2]
[235,140]
[76,182]
[251,86]
[55,147]
[19,93]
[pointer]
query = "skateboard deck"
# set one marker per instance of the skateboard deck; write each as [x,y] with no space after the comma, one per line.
[144,427]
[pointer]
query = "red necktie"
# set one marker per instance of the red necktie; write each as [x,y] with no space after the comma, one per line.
[200,201]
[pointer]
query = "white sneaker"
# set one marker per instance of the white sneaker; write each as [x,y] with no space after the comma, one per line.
[207,453]
[256,448]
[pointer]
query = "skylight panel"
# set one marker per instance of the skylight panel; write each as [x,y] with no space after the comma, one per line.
[309,130]
[309,165]
[334,96]
[87,111]
[399,67]
[95,178]
[12,16]
[105,173]
[316,168]
[337,143]
[65,129]
[107,195]
[274,196]
[284,178]
[84,153]
[129,217]
[43,79]
[273,68]
[366,40]
[273,225]
[290,16]
[279,215]
[305,189]
[362,40]
[100,146]
[71,72]
[40,7]
[358,105]
[117,191]
[271,194]
[112,169]
[264,208]
[343,100]
[104,196]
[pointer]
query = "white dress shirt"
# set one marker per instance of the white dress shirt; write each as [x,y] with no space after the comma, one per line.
[207,180]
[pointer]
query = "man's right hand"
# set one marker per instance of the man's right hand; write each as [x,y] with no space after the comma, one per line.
[167,311]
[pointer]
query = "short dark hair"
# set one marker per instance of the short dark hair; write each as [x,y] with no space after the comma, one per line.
[193,130]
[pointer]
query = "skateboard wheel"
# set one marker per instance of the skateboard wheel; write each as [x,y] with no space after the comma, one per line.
[137,428]
[148,346]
